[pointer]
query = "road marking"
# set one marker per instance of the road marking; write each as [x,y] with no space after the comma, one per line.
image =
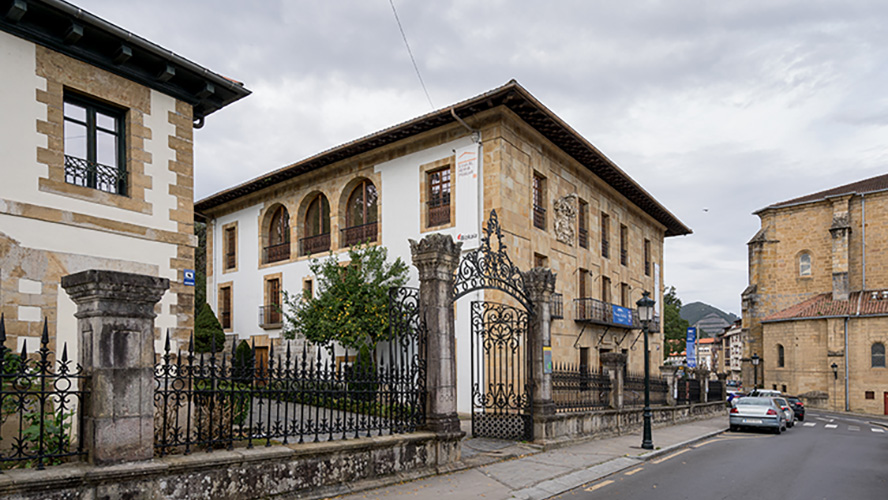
[808,424]
[599,485]
[877,430]
[824,419]
[853,428]
[633,471]
[830,426]
[670,456]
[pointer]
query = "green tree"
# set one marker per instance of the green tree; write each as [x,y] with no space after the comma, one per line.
[206,326]
[350,305]
[200,266]
[674,327]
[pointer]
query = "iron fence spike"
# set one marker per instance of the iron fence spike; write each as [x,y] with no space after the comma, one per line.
[44,339]
[2,329]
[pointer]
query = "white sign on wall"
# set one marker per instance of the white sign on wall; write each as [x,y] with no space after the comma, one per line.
[468,178]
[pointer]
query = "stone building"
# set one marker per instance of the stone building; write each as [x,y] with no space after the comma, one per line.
[560,202]
[731,348]
[96,138]
[816,308]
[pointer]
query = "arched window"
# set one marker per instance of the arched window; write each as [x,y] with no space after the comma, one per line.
[878,355]
[780,359]
[278,236]
[317,226]
[805,264]
[360,214]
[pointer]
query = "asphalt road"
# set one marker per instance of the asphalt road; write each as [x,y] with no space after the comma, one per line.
[824,457]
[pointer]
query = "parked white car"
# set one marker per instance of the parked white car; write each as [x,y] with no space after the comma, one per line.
[758,412]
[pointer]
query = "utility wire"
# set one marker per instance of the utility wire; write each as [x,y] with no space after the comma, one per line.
[404,36]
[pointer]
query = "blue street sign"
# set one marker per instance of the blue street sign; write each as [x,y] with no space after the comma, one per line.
[189,277]
[621,315]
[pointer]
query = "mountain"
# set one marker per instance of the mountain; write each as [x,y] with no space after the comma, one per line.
[695,311]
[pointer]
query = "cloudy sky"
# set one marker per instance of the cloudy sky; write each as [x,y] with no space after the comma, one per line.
[716,108]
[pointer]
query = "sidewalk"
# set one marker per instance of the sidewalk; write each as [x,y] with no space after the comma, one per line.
[504,469]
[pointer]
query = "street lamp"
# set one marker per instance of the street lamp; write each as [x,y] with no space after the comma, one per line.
[646,315]
[755,369]
[835,369]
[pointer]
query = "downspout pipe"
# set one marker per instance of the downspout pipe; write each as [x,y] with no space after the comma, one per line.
[847,402]
[476,134]
[863,238]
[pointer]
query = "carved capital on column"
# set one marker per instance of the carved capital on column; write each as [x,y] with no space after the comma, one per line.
[539,283]
[436,256]
[115,294]
[613,360]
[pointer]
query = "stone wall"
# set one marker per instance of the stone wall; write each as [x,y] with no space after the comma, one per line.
[564,429]
[309,470]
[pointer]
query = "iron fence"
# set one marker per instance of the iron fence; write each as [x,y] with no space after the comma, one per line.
[715,391]
[688,391]
[251,396]
[578,388]
[40,398]
[633,390]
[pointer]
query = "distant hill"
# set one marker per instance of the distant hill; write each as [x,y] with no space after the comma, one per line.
[695,311]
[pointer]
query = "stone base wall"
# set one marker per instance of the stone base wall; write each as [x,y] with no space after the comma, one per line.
[569,428]
[310,470]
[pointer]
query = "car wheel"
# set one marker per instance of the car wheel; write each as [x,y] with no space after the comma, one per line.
[801,418]
[734,428]
[778,430]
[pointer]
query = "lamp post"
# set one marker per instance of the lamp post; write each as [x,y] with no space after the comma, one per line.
[755,370]
[646,315]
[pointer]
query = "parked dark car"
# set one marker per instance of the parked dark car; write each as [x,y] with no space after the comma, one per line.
[797,407]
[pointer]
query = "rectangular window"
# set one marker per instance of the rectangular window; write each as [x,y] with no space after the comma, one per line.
[94,145]
[647,257]
[582,228]
[584,307]
[270,315]
[624,245]
[605,235]
[584,360]
[605,289]
[225,307]
[230,248]
[870,395]
[307,288]
[624,295]
[540,260]
[439,197]
[539,197]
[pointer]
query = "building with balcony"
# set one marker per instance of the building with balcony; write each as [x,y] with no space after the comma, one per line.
[816,308]
[96,135]
[560,202]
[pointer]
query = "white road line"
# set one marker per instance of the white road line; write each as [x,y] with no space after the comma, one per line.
[853,428]
[809,424]
[877,430]
[823,419]
[830,426]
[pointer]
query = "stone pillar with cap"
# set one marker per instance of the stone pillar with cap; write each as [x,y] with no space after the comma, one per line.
[614,362]
[539,283]
[115,320]
[436,257]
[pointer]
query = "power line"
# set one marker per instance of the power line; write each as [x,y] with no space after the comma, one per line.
[404,36]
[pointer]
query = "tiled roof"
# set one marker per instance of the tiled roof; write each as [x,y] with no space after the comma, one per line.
[823,305]
[870,185]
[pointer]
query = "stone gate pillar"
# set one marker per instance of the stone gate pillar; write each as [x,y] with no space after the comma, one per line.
[115,318]
[614,362]
[436,257]
[540,284]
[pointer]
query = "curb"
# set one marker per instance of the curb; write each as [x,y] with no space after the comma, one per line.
[669,449]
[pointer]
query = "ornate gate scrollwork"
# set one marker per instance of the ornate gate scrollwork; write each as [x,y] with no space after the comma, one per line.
[487,268]
[501,405]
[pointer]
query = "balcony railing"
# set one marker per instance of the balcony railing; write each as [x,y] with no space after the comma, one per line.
[312,245]
[439,214]
[94,175]
[356,235]
[276,253]
[270,316]
[584,238]
[539,217]
[605,249]
[587,310]
[556,306]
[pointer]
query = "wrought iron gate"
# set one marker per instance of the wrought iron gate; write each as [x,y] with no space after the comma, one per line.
[501,396]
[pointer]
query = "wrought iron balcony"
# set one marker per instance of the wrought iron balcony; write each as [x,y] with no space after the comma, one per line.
[276,253]
[356,235]
[270,316]
[556,306]
[587,310]
[81,172]
[312,245]
[439,214]
[539,217]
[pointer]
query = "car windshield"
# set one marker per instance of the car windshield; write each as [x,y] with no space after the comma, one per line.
[754,402]
[794,400]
